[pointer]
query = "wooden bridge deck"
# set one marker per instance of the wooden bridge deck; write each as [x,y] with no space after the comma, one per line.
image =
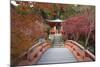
[57,55]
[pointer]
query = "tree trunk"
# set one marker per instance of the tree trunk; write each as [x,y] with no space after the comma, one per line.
[86,42]
[77,37]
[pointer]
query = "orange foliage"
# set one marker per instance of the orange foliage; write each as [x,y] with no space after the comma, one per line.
[25,29]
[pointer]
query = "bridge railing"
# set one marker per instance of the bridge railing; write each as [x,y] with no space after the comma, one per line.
[79,51]
[32,55]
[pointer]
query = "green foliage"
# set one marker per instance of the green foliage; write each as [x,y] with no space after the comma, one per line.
[69,12]
[46,14]
[35,10]
[81,42]
[21,12]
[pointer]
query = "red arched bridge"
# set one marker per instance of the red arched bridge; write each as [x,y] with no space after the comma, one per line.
[57,52]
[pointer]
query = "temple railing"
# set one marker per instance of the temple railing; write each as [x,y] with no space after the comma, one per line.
[79,51]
